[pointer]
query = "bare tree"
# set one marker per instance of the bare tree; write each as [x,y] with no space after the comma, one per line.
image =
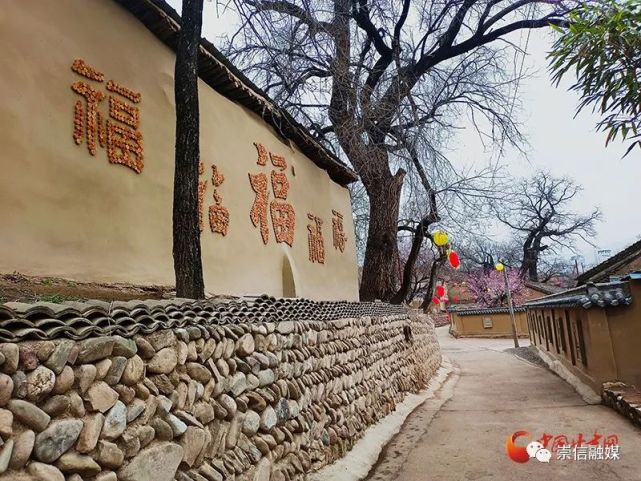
[432,188]
[556,270]
[477,250]
[186,234]
[370,78]
[540,214]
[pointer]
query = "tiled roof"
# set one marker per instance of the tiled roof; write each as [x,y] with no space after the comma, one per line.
[466,310]
[609,294]
[78,320]
[218,72]
[543,287]
[602,271]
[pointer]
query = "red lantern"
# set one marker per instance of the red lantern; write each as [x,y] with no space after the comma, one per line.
[440,291]
[436,300]
[455,262]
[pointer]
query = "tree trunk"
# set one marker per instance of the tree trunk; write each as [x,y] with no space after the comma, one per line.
[529,265]
[379,273]
[408,270]
[429,293]
[186,233]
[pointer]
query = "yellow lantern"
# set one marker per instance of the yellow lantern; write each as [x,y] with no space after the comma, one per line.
[440,238]
[499,267]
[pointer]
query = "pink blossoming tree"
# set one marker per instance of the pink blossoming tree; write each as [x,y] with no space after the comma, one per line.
[488,288]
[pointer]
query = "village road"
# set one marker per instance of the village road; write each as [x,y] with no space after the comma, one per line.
[462,436]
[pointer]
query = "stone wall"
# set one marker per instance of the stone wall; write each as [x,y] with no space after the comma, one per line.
[623,398]
[266,400]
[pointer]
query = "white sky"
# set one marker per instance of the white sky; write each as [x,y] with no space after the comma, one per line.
[558,142]
[570,146]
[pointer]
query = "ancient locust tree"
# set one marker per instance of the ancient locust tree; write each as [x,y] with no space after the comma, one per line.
[540,214]
[372,78]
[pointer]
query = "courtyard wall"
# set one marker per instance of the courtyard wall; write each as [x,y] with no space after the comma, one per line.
[254,390]
[487,321]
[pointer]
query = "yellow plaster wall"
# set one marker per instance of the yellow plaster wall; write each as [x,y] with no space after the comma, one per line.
[65,213]
[472,325]
[625,328]
[604,358]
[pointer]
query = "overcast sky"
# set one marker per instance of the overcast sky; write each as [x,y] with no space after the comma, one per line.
[570,146]
[558,142]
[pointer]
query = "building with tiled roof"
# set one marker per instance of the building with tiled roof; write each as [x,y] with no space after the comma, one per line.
[618,265]
[591,332]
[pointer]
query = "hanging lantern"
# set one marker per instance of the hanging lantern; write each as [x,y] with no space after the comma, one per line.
[455,262]
[440,238]
[499,267]
[440,291]
[436,300]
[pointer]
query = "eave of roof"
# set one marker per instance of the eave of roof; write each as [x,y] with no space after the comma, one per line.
[543,287]
[603,270]
[217,72]
[610,294]
[462,310]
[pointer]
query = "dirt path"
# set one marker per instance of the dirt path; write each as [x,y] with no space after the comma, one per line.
[493,395]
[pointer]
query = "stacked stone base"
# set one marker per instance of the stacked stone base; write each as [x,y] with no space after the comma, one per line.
[625,399]
[245,401]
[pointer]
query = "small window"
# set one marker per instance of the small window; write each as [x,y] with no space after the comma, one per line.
[568,327]
[487,323]
[540,330]
[548,333]
[562,335]
[581,343]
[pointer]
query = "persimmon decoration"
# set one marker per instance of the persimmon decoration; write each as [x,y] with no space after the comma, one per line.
[440,291]
[202,189]
[77,122]
[127,114]
[216,177]
[81,68]
[280,185]
[124,146]
[315,244]
[92,97]
[114,87]
[455,262]
[119,133]
[338,234]
[218,219]
[262,154]
[282,213]
[258,212]
[283,221]
[278,161]
[218,213]
[436,300]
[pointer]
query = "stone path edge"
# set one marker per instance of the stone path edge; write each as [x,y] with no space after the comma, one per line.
[359,461]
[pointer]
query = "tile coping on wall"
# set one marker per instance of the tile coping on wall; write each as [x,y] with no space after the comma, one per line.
[79,320]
